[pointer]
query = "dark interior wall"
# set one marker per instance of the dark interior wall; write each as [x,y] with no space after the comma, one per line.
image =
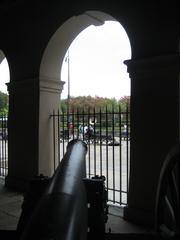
[26,28]
[29,25]
[154,31]
[154,71]
[154,130]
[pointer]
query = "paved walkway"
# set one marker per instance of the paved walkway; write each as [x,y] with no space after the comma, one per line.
[10,207]
[10,210]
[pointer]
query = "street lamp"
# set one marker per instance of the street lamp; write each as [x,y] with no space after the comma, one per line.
[68,81]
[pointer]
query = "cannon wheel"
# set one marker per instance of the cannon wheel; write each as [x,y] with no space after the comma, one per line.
[167,210]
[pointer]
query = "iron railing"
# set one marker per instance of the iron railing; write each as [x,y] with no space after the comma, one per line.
[108,145]
[3,145]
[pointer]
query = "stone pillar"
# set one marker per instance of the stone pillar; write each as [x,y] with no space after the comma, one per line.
[50,90]
[154,129]
[30,144]
[22,132]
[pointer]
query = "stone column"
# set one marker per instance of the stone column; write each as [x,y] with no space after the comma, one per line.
[50,90]
[154,129]
[30,145]
[22,132]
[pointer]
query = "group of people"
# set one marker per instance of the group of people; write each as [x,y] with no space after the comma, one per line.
[86,131]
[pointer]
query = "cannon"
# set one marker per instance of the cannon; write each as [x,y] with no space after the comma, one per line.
[61,210]
[66,206]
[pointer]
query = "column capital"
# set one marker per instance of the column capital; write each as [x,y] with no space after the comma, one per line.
[14,86]
[51,85]
[153,66]
[45,84]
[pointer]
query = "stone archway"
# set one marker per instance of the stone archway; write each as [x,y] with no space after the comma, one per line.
[50,83]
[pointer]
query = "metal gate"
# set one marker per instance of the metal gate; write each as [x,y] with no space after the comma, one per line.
[3,146]
[107,135]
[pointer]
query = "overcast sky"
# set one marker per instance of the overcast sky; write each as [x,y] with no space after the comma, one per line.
[4,75]
[96,63]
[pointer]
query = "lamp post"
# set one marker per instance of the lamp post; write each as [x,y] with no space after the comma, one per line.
[68,96]
[68,80]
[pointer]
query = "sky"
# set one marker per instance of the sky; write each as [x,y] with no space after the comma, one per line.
[4,75]
[96,63]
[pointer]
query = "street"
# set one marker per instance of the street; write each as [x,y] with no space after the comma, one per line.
[111,162]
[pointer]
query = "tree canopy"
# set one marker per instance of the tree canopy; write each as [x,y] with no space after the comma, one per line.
[88,103]
[4,101]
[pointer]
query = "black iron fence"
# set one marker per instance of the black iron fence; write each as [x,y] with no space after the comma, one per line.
[3,146]
[107,134]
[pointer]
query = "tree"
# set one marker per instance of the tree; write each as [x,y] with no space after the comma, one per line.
[88,103]
[4,101]
[124,103]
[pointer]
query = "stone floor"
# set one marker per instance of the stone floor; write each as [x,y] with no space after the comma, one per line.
[10,210]
[10,207]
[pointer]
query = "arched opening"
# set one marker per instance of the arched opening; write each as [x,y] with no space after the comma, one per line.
[94,63]
[51,84]
[4,73]
[4,105]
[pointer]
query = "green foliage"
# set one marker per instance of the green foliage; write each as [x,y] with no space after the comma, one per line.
[4,101]
[88,103]
[124,103]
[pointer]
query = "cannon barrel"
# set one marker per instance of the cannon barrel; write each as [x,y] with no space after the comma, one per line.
[61,212]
